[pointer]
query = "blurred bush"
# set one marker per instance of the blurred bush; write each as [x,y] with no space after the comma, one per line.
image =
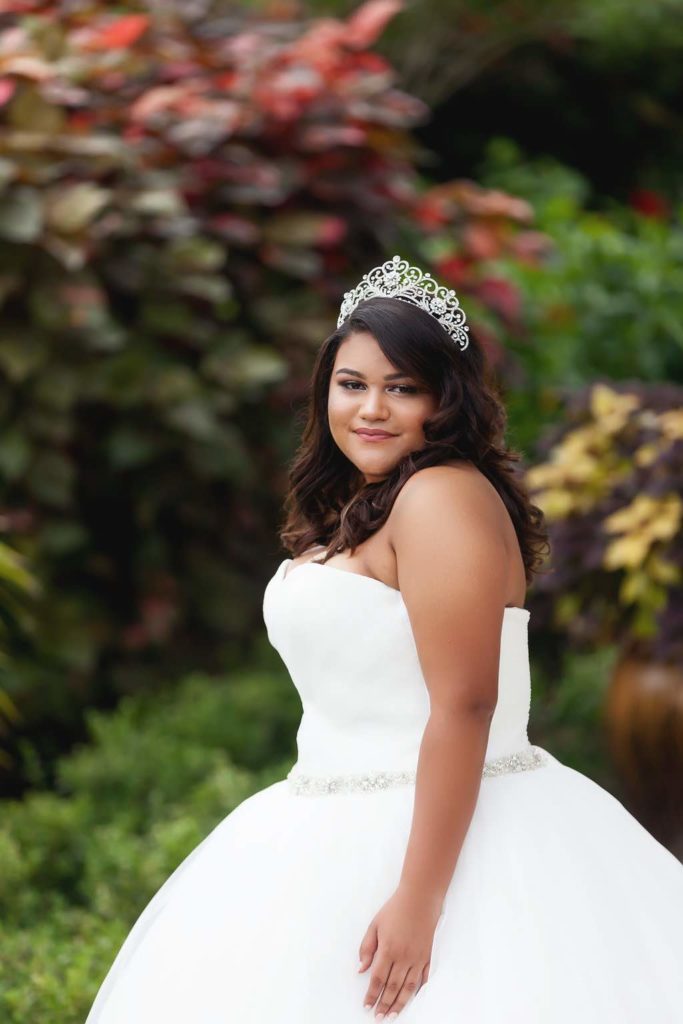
[606,301]
[79,864]
[18,587]
[163,186]
[442,46]
[183,201]
[611,489]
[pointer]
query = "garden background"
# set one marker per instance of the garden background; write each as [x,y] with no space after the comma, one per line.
[186,191]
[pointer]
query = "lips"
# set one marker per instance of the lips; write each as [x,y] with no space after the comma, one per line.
[374,433]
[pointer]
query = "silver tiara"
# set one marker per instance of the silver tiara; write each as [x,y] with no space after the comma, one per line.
[397,279]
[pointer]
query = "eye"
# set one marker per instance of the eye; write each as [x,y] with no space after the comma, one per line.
[407,389]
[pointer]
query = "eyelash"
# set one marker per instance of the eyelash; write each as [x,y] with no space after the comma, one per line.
[410,390]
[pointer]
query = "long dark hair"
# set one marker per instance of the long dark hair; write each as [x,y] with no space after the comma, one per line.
[329,503]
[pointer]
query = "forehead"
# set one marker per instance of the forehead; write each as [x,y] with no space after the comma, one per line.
[361,351]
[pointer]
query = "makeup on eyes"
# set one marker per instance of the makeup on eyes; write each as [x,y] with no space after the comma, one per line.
[410,389]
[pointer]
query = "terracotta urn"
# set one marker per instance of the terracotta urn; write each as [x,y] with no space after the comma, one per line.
[643,717]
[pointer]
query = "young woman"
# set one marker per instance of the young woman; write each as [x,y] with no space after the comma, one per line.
[474,876]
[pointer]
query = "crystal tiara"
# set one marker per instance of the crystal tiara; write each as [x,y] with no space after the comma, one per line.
[397,279]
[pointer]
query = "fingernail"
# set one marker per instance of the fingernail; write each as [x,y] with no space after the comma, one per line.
[380,1016]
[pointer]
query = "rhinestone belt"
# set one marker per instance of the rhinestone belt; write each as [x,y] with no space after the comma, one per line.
[317,785]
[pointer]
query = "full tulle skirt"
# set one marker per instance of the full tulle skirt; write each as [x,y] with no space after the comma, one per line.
[562,909]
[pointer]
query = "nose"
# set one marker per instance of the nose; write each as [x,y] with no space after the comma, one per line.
[373,404]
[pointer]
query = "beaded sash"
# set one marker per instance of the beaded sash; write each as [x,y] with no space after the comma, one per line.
[319,785]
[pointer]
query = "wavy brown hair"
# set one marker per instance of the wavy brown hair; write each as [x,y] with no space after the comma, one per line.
[330,504]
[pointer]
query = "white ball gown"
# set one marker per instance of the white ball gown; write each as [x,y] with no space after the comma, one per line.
[562,908]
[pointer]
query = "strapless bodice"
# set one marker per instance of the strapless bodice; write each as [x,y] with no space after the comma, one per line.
[348,645]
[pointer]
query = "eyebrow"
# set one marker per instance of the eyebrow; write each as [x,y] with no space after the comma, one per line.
[356,373]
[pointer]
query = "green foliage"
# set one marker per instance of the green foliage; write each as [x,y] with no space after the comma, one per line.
[609,300]
[611,489]
[567,713]
[18,586]
[48,971]
[169,235]
[604,301]
[156,760]
[80,864]
[173,237]
[443,46]
[175,736]
[622,28]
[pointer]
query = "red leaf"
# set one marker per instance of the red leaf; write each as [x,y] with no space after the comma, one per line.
[531,246]
[7,87]
[649,203]
[158,98]
[133,133]
[80,122]
[433,210]
[333,230]
[323,137]
[235,228]
[501,296]
[456,271]
[118,34]
[371,62]
[493,350]
[480,241]
[226,80]
[367,23]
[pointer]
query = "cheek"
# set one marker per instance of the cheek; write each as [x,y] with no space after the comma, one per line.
[334,406]
[419,414]
[338,410]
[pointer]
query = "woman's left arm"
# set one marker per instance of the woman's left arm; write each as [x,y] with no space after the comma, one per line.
[448,774]
[452,566]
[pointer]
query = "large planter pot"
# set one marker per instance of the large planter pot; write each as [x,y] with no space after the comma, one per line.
[644,724]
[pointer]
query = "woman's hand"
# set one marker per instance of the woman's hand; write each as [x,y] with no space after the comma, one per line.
[398,944]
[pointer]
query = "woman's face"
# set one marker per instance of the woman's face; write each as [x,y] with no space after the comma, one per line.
[367,392]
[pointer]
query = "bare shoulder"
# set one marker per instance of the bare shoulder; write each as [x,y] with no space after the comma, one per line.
[434,492]
[448,537]
[452,568]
